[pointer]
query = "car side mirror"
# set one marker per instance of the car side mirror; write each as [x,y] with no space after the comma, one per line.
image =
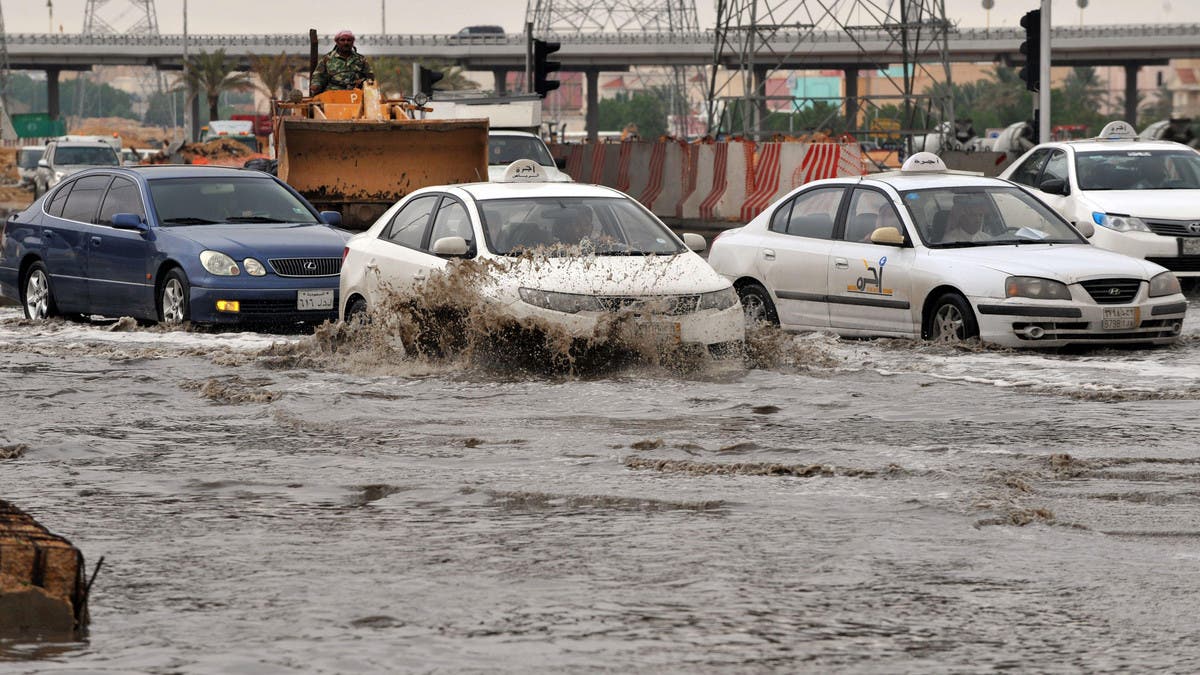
[331,218]
[1055,186]
[561,163]
[43,164]
[694,242]
[129,221]
[1085,228]
[888,236]
[451,246]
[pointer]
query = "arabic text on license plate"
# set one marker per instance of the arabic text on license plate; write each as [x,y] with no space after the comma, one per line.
[1190,246]
[314,299]
[1118,318]
[668,331]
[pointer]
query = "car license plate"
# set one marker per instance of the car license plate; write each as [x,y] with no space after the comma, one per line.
[1190,246]
[1119,318]
[663,331]
[314,299]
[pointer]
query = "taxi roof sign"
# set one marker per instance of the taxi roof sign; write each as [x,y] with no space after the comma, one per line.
[1118,131]
[524,171]
[924,162]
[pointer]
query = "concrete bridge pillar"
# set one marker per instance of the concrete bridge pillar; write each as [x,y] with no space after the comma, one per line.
[1131,75]
[593,104]
[52,105]
[500,81]
[851,75]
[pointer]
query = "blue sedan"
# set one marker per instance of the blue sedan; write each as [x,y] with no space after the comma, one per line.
[173,244]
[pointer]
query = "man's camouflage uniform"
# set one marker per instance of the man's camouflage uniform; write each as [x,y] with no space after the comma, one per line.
[337,72]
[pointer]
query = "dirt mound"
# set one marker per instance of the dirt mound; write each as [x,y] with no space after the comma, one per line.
[133,134]
[15,197]
[8,166]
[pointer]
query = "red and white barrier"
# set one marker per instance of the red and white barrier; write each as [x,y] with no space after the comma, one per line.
[654,176]
[623,159]
[674,165]
[640,154]
[575,162]
[724,174]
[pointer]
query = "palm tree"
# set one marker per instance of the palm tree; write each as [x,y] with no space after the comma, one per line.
[394,75]
[276,73]
[212,75]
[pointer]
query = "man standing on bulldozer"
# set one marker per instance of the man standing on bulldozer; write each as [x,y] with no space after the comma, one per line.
[341,68]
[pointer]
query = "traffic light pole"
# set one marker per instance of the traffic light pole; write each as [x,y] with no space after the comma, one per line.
[1044,76]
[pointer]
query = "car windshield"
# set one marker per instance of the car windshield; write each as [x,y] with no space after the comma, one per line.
[1138,170]
[66,156]
[504,150]
[235,199]
[29,158]
[573,225]
[985,216]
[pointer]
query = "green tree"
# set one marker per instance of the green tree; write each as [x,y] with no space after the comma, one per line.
[165,109]
[79,96]
[275,72]
[394,76]
[212,74]
[646,110]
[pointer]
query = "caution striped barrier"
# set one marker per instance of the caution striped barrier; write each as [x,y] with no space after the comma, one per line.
[654,180]
[673,166]
[575,162]
[640,154]
[724,174]
[767,172]
[623,159]
[689,177]
[599,153]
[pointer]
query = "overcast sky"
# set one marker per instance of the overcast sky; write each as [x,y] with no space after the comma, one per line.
[447,16]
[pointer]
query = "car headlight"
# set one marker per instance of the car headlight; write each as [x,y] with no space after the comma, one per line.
[722,299]
[1165,283]
[1119,223]
[254,268]
[571,303]
[220,264]
[1036,287]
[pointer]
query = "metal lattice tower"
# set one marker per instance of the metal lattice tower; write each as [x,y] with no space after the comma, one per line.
[775,36]
[563,18]
[123,17]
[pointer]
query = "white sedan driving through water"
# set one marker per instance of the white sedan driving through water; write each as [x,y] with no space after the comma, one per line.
[566,254]
[926,252]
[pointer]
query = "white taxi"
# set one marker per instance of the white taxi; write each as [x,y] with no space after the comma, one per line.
[564,253]
[1143,195]
[926,252]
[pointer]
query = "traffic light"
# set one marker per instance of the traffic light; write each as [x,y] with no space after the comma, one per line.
[542,67]
[1032,49]
[427,79]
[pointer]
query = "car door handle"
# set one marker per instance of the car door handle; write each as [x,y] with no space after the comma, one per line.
[371,265]
[95,241]
[420,276]
[768,254]
[841,263]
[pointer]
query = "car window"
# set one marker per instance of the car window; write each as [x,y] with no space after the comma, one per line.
[122,197]
[504,150]
[410,223]
[869,210]
[810,214]
[90,156]
[1028,172]
[84,199]
[570,225]
[59,200]
[985,216]
[1056,167]
[1138,170]
[29,158]
[451,221]
[212,200]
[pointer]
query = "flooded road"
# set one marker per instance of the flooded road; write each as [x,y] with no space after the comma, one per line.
[863,506]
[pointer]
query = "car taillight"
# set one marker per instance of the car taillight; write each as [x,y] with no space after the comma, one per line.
[345,252]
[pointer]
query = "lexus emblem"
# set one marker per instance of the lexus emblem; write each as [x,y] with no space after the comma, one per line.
[1114,291]
[310,266]
[1194,228]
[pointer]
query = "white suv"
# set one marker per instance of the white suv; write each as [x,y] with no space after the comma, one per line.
[506,147]
[1143,196]
[64,158]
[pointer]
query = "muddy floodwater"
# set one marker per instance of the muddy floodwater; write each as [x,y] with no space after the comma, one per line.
[850,506]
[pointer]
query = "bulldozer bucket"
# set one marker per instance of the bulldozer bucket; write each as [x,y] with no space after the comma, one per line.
[360,167]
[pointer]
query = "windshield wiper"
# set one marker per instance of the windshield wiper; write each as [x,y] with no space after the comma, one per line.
[252,219]
[189,221]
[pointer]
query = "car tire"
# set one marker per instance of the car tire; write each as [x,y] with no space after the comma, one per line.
[950,320]
[757,305]
[356,309]
[37,297]
[173,306]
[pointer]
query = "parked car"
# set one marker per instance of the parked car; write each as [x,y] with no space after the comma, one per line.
[536,232]
[27,163]
[1142,195]
[66,157]
[173,244]
[926,252]
[506,147]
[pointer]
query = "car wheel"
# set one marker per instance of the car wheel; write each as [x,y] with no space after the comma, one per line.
[173,298]
[356,310]
[38,297]
[757,305]
[951,320]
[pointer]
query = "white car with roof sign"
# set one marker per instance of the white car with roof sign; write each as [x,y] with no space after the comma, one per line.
[1143,195]
[567,254]
[506,146]
[927,252]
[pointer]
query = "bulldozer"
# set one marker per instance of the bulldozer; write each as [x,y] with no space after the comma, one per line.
[357,153]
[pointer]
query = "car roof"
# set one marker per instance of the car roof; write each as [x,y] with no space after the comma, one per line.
[500,190]
[919,181]
[1093,144]
[510,132]
[82,144]
[161,171]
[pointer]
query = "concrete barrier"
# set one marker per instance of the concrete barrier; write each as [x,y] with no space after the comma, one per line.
[42,586]
[575,162]
[724,174]
[640,158]
[623,159]
[768,169]
[654,176]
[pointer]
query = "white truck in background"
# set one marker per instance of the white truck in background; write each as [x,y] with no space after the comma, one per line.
[241,131]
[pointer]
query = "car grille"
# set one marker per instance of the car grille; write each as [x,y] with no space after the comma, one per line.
[1175,228]
[673,305]
[1183,263]
[1112,291]
[306,267]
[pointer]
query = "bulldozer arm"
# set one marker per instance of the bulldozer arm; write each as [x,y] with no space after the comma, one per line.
[360,167]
